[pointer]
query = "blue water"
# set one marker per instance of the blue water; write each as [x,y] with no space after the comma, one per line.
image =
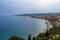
[20,26]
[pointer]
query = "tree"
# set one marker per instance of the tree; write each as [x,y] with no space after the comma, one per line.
[29,37]
[33,38]
[15,38]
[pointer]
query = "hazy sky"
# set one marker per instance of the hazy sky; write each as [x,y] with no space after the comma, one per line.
[28,6]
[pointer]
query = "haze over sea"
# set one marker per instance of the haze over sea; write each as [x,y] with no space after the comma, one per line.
[20,26]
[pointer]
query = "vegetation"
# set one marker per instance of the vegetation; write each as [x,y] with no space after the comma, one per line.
[53,33]
[15,38]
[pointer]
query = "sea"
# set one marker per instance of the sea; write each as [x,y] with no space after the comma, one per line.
[21,26]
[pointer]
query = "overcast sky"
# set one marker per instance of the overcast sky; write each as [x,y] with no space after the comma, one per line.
[29,6]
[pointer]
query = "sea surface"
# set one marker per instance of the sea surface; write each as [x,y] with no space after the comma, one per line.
[21,26]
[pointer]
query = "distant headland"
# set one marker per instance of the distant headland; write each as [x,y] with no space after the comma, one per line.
[42,15]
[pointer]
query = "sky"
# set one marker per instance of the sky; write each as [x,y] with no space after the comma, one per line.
[29,6]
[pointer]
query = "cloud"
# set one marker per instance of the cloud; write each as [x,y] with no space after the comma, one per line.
[20,6]
[46,4]
[41,4]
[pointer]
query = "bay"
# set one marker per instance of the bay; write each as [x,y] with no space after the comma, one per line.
[20,26]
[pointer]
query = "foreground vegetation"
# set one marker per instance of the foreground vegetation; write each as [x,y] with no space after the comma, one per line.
[15,38]
[52,34]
